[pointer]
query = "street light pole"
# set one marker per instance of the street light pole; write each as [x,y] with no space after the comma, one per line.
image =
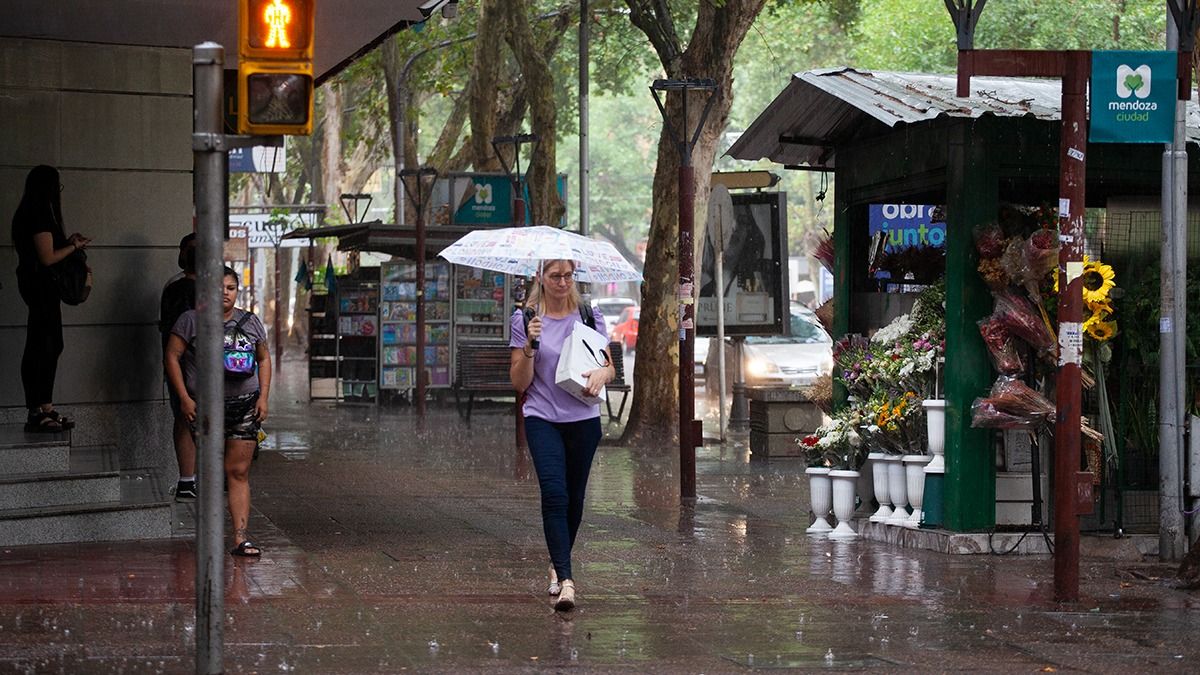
[689,432]
[209,148]
[420,199]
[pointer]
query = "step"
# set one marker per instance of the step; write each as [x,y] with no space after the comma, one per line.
[25,453]
[143,512]
[94,476]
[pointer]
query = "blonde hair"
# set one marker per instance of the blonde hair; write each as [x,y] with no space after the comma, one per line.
[534,299]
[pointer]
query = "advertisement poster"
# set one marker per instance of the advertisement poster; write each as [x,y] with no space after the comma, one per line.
[475,199]
[753,279]
[908,225]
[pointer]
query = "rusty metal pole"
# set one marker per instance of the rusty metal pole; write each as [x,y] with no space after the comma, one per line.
[1073,163]
[420,200]
[689,427]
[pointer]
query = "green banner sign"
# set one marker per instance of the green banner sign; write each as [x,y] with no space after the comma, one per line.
[1133,97]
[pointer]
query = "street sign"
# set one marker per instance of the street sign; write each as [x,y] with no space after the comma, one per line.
[264,230]
[257,159]
[1133,97]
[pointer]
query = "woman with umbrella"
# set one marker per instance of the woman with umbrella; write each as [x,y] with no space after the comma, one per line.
[562,431]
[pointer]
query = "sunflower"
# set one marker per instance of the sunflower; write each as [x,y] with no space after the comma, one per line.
[1095,318]
[1098,280]
[1103,307]
[1102,331]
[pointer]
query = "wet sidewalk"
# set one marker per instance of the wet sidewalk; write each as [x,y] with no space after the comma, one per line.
[389,549]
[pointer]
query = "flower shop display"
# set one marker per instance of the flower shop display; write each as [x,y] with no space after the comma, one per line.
[843,503]
[820,490]
[1019,263]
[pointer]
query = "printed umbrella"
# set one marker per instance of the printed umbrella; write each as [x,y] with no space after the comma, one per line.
[521,250]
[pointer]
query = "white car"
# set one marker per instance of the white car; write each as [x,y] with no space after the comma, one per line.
[611,309]
[798,359]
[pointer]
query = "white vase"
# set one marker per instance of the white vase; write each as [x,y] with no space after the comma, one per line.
[914,472]
[935,424]
[879,472]
[820,496]
[843,503]
[898,491]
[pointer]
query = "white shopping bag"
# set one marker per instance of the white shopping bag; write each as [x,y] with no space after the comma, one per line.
[581,353]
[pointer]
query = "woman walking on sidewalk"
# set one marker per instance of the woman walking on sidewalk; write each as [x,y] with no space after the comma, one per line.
[247,368]
[562,431]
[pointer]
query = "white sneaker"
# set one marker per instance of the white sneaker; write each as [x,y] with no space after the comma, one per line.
[555,587]
[566,597]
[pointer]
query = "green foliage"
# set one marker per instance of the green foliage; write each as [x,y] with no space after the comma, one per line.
[918,35]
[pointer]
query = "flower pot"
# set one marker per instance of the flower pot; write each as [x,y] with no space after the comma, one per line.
[935,421]
[843,503]
[879,472]
[914,473]
[898,490]
[820,490]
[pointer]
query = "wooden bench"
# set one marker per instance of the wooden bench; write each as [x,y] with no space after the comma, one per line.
[481,368]
[619,384]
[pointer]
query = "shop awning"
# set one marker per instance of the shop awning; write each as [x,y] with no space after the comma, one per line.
[378,237]
[820,109]
[345,29]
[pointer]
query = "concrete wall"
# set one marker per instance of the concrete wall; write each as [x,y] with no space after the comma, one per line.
[116,121]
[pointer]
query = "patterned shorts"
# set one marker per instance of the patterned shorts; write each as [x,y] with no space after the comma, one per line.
[240,421]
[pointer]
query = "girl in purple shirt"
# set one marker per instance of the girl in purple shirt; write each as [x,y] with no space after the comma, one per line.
[562,431]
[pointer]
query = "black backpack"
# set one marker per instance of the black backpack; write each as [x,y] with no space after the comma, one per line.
[72,278]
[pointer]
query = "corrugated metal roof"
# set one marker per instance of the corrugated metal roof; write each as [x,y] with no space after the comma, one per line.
[819,108]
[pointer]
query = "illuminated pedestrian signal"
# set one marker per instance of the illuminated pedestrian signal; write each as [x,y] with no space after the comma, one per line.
[275,78]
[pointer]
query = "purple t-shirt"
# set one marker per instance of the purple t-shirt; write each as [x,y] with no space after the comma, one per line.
[546,399]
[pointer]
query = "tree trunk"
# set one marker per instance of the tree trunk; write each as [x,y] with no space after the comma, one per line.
[484,82]
[331,148]
[719,31]
[545,206]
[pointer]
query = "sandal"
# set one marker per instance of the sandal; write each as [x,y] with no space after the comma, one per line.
[43,423]
[246,549]
[66,422]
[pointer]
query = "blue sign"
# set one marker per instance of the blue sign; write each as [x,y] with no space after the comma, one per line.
[908,225]
[1133,97]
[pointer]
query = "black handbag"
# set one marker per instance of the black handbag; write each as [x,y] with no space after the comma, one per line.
[72,278]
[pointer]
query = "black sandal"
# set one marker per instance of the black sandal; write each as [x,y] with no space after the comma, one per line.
[43,423]
[66,422]
[246,549]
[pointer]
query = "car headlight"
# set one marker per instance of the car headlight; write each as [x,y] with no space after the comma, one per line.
[759,367]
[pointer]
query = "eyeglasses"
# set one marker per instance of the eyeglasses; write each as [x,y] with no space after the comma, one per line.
[561,278]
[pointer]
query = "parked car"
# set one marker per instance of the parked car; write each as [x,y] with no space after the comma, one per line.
[626,330]
[778,360]
[611,309]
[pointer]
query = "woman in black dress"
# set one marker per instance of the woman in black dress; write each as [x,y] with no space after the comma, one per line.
[37,234]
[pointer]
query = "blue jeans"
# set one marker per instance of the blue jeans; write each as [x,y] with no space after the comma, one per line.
[562,454]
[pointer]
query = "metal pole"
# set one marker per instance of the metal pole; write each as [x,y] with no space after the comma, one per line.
[1072,160]
[519,221]
[687,333]
[720,286]
[277,331]
[422,370]
[1172,330]
[208,63]
[584,158]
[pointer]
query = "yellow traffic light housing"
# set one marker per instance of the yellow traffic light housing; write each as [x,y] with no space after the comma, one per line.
[275,78]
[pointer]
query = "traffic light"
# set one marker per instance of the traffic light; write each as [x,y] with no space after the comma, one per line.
[275,78]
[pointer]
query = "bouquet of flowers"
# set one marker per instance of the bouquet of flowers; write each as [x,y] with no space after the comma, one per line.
[1041,257]
[834,444]
[894,423]
[990,241]
[1019,318]
[1012,404]
[823,250]
[1000,346]
[855,363]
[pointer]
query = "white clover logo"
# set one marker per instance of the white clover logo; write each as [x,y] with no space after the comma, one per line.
[1133,81]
